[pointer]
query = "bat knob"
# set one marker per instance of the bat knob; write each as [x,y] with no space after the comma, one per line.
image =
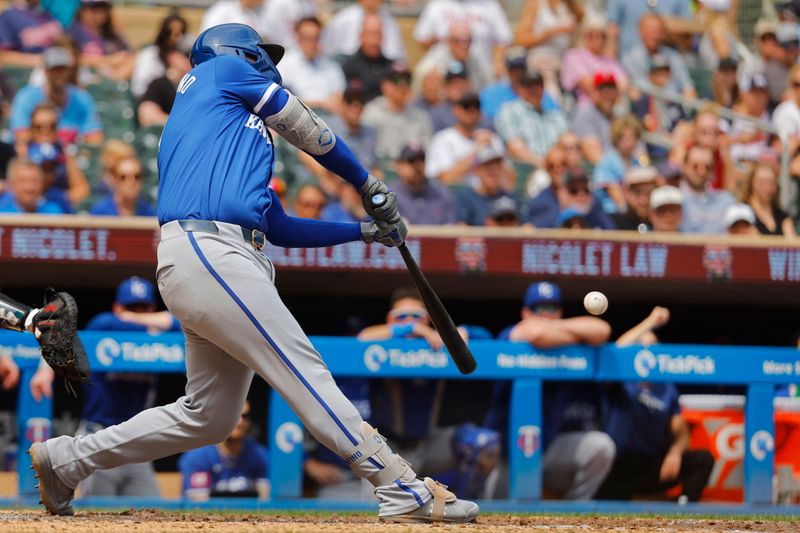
[378,199]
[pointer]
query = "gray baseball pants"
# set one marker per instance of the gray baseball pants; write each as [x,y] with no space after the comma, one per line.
[577,462]
[222,291]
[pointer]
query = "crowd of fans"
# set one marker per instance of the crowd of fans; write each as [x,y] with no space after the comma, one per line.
[548,122]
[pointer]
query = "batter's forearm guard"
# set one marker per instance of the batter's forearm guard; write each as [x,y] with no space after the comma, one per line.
[12,314]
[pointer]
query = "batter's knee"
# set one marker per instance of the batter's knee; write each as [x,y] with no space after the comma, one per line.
[211,424]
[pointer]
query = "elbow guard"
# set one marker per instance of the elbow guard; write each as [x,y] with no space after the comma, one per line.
[302,127]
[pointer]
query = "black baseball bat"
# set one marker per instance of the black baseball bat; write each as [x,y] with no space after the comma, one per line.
[440,318]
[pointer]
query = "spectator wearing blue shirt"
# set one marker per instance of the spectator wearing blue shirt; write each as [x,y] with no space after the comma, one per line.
[126,187]
[347,206]
[65,183]
[543,211]
[25,183]
[577,453]
[624,17]
[494,96]
[78,119]
[609,173]
[237,467]
[651,436]
[111,397]
[26,29]
[474,204]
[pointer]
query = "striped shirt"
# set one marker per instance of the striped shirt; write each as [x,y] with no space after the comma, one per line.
[538,130]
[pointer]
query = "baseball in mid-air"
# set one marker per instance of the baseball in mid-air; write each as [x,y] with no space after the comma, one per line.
[595,302]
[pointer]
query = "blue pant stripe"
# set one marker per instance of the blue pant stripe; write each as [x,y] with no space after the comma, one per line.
[266,336]
[412,491]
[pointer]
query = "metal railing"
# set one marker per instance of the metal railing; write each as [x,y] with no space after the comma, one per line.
[788,192]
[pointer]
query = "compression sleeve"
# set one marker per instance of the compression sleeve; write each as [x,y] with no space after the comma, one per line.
[294,232]
[342,161]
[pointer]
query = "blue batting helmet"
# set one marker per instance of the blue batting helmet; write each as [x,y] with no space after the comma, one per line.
[239,40]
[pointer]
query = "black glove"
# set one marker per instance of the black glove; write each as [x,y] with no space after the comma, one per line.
[54,326]
[386,212]
[387,234]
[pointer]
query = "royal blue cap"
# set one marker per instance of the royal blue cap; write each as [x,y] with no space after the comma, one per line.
[136,290]
[542,292]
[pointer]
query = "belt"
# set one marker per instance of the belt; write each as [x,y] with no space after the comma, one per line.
[251,236]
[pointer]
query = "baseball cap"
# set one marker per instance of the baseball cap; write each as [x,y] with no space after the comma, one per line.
[456,69]
[532,77]
[568,214]
[738,213]
[490,152]
[136,290]
[353,94]
[594,21]
[469,99]
[398,73]
[604,79]
[786,33]
[717,5]
[57,56]
[639,175]
[516,57]
[542,292]
[278,185]
[765,27]
[411,151]
[755,82]
[505,205]
[665,195]
[43,153]
[659,62]
[727,63]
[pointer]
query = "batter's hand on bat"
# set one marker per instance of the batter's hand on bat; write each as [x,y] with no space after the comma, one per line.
[386,209]
[390,235]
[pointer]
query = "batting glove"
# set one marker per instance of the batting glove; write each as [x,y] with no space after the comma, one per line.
[386,212]
[389,235]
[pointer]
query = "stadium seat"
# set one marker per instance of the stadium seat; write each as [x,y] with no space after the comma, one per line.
[146,145]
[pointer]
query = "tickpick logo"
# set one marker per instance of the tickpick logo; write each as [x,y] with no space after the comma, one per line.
[374,356]
[761,443]
[106,350]
[288,436]
[644,362]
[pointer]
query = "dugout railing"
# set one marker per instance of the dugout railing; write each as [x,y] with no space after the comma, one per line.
[759,369]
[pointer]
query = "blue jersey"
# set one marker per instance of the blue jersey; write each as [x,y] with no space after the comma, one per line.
[207,470]
[638,417]
[112,397]
[216,156]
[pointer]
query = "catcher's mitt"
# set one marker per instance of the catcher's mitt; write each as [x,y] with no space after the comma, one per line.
[54,327]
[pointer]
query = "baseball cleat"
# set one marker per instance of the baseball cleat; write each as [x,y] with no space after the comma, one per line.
[56,496]
[442,507]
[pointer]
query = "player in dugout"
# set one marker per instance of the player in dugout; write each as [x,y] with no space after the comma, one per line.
[236,467]
[651,436]
[409,409]
[113,397]
[578,454]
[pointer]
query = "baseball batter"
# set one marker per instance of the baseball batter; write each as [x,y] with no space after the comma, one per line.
[216,211]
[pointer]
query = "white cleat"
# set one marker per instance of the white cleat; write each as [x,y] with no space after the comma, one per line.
[442,507]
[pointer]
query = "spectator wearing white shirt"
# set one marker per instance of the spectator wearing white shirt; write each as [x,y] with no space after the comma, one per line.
[235,11]
[312,77]
[338,37]
[457,47]
[280,17]
[452,152]
[396,122]
[491,33]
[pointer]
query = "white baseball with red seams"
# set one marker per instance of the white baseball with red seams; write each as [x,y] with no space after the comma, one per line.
[595,302]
